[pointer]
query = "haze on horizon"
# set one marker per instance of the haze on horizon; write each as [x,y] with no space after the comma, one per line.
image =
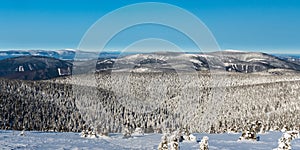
[270,26]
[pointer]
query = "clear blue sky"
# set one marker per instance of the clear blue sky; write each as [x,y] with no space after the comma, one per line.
[259,25]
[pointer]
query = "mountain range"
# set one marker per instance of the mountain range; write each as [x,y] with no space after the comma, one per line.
[230,61]
[40,65]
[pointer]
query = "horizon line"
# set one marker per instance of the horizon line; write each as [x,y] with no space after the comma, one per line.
[187,51]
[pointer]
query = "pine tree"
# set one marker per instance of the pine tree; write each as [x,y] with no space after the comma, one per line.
[163,145]
[93,135]
[84,133]
[126,132]
[186,134]
[284,143]
[174,142]
[22,132]
[249,133]
[204,143]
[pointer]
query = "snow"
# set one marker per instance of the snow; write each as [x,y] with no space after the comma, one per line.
[233,50]
[257,59]
[54,140]
[69,49]
[195,61]
[207,56]
[141,70]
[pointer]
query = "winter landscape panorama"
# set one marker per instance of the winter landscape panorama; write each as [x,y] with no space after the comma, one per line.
[222,75]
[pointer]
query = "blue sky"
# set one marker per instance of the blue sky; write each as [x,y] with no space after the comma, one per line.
[257,25]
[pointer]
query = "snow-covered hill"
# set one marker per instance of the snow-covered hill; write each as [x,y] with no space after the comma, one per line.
[34,68]
[253,61]
[229,60]
[233,61]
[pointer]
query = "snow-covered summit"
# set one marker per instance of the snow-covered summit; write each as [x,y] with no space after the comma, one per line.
[229,60]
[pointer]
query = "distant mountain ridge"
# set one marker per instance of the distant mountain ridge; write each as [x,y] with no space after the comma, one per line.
[295,58]
[64,54]
[58,54]
[40,65]
[233,61]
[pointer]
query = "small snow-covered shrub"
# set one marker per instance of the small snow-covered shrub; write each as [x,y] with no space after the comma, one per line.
[187,136]
[284,129]
[126,133]
[93,135]
[248,135]
[84,133]
[163,145]
[178,135]
[294,134]
[22,133]
[138,132]
[263,129]
[102,131]
[193,138]
[174,143]
[284,143]
[88,134]
[250,131]
[204,143]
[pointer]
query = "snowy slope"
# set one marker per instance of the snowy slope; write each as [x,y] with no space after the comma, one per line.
[69,140]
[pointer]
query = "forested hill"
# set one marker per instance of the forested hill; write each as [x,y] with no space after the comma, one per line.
[34,68]
[153,101]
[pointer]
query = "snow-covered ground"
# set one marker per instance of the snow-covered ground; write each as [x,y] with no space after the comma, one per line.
[54,140]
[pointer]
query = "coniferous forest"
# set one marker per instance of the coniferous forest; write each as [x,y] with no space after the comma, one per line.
[155,102]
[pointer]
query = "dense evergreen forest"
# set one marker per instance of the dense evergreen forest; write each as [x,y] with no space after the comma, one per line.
[153,101]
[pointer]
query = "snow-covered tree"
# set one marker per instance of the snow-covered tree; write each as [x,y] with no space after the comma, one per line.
[93,135]
[186,134]
[57,105]
[249,132]
[193,138]
[163,145]
[84,133]
[22,133]
[284,143]
[138,132]
[174,144]
[204,143]
[104,132]
[126,132]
